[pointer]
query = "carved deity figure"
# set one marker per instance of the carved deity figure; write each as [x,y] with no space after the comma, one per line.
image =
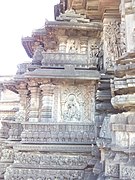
[71,112]
[94,52]
[113,40]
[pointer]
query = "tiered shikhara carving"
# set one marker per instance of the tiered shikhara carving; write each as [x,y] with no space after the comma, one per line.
[65,117]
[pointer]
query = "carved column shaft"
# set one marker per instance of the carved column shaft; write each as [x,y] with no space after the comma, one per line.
[62,44]
[84,45]
[23,92]
[34,102]
[23,98]
[47,103]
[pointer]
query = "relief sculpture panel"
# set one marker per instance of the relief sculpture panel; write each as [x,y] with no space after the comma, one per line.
[72,109]
[77,103]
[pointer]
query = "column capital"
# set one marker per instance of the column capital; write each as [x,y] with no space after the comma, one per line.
[47,88]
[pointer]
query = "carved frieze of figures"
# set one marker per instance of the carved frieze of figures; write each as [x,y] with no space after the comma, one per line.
[113,42]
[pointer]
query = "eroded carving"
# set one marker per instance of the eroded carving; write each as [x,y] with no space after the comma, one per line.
[113,42]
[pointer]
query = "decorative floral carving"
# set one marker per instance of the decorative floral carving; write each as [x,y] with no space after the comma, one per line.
[127,172]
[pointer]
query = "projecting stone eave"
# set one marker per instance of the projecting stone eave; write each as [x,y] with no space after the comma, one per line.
[91,26]
[64,74]
[11,85]
[27,43]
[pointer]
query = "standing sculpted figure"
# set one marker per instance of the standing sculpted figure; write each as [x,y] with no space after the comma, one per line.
[71,112]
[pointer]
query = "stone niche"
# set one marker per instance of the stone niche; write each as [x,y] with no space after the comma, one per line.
[76,103]
[68,103]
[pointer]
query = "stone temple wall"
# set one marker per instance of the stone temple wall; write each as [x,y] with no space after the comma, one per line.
[73,113]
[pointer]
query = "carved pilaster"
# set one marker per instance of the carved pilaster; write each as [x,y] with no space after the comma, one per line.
[84,45]
[34,101]
[130,25]
[62,44]
[21,114]
[122,28]
[47,102]
[111,40]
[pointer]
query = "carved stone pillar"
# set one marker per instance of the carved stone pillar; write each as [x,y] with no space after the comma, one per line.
[130,25]
[62,44]
[47,102]
[84,45]
[34,101]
